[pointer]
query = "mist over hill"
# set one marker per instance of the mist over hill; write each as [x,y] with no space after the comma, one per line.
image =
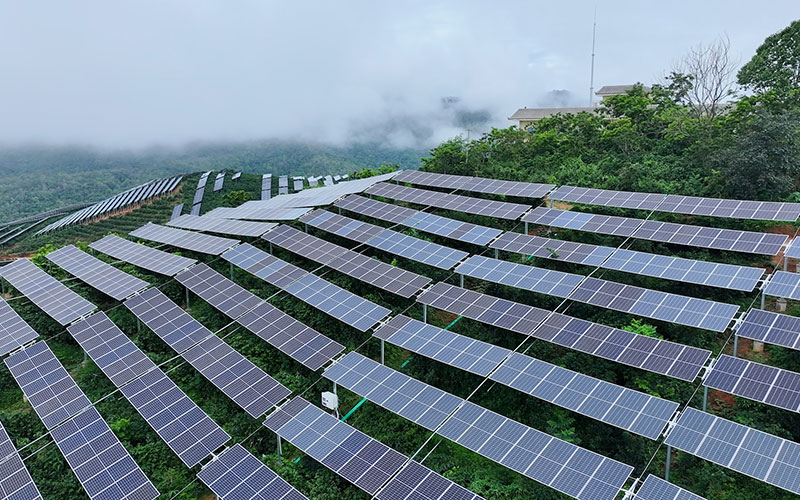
[36,178]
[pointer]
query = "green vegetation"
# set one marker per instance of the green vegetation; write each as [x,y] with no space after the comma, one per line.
[644,142]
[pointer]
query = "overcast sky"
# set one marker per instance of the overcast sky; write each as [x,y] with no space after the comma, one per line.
[138,73]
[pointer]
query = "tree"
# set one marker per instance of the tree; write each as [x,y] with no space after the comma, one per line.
[705,77]
[235,198]
[776,64]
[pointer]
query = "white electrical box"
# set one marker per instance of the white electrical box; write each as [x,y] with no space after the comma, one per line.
[330,400]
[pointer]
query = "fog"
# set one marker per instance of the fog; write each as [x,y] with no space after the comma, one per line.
[411,73]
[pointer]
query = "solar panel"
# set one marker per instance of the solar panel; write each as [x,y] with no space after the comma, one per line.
[793,251]
[784,284]
[664,232]
[678,309]
[475,184]
[756,381]
[233,374]
[198,196]
[647,353]
[655,488]
[14,331]
[195,210]
[236,176]
[689,205]
[753,453]
[15,480]
[609,403]
[277,328]
[266,186]
[219,181]
[476,206]
[385,239]
[142,256]
[256,212]
[548,248]
[297,184]
[176,211]
[325,296]
[94,272]
[212,224]
[534,279]
[52,297]
[358,458]
[102,465]
[237,474]
[186,429]
[421,221]
[356,265]
[196,242]
[771,327]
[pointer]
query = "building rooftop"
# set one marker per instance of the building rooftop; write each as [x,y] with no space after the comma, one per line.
[539,113]
[617,89]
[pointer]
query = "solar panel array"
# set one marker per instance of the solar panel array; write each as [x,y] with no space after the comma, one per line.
[257,212]
[784,284]
[15,480]
[476,206]
[283,184]
[655,355]
[108,279]
[664,232]
[196,242]
[277,328]
[186,429]
[359,266]
[756,381]
[14,331]
[534,279]
[212,224]
[236,176]
[385,239]
[237,475]
[126,199]
[328,180]
[325,296]
[609,403]
[102,465]
[655,488]
[51,296]
[753,453]
[699,272]
[564,467]
[429,223]
[358,458]
[689,205]
[771,327]
[237,377]
[266,186]
[219,181]
[297,183]
[176,211]
[475,184]
[142,256]
[198,193]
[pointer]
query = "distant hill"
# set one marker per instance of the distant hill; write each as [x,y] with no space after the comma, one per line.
[34,179]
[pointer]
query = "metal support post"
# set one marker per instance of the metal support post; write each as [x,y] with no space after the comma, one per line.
[526,228]
[138,326]
[424,313]
[383,357]
[334,388]
[705,397]
[280,451]
[763,300]
[735,344]
[669,459]
[231,264]
[461,280]
[270,247]
[785,263]
[187,297]
[496,253]
[305,227]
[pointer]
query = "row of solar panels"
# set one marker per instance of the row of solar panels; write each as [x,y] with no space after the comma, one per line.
[121,201]
[197,201]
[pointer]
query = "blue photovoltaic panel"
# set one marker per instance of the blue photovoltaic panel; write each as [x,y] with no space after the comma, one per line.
[325,296]
[15,480]
[655,355]
[429,223]
[51,296]
[772,328]
[212,224]
[237,475]
[607,198]
[762,456]
[186,429]
[548,248]
[102,465]
[655,488]
[176,211]
[794,249]
[197,242]
[14,331]
[361,460]
[784,284]
[756,381]
[142,256]
[665,232]
[94,272]
[475,184]
[280,330]
[466,204]
[237,377]
[534,279]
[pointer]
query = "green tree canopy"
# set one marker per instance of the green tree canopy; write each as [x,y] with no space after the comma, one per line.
[776,65]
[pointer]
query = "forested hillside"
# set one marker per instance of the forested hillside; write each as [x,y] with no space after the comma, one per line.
[38,178]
